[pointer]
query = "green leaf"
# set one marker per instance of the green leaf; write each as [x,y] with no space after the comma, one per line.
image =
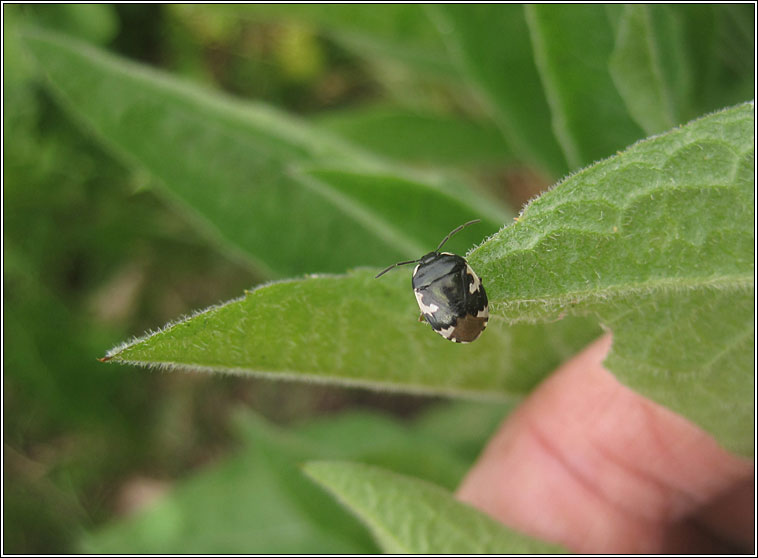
[572,46]
[237,169]
[238,507]
[50,367]
[658,243]
[411,516]
[256,501]
[720,40]
[463,426]
[400,32]
[357,330]
[419,137]
[401,210]
[376,439]
[649,67]
[491,44]
[96,23]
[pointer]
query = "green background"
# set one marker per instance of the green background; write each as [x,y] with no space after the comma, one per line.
[379,129]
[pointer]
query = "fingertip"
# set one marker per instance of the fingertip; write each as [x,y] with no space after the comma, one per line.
[583,451]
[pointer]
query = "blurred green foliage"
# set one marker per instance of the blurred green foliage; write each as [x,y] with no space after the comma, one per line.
[94,254]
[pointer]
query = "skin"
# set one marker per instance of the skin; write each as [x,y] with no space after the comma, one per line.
[587,463]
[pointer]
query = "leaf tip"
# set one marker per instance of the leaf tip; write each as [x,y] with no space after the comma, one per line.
[315,469]
[308,466]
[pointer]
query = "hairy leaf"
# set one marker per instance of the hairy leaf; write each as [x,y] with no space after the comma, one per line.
[411,516]
[658,243]
[357,330]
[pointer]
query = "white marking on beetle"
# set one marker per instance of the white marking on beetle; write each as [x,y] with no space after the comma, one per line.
[415,269]
[483,313]
[447,332]
[431,309]
[476,283]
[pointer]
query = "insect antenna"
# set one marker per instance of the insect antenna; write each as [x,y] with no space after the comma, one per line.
[463,226]
[395,265]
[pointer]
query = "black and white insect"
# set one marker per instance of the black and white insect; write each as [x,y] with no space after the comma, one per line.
[450,295]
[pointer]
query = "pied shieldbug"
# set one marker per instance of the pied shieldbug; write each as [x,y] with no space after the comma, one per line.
[449,293]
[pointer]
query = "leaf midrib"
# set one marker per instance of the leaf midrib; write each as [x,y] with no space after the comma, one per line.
[609,292]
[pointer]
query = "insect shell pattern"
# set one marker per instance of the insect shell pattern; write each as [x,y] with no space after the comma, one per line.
[449,293]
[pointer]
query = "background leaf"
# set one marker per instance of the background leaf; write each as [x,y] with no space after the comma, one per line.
[256,499]
[572,45]
[259,499]
[398,32]
[410,516]
[233,168]
[720,38]
[491,44]
[419,136]
[96,23]
[658,243]
[650,68]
